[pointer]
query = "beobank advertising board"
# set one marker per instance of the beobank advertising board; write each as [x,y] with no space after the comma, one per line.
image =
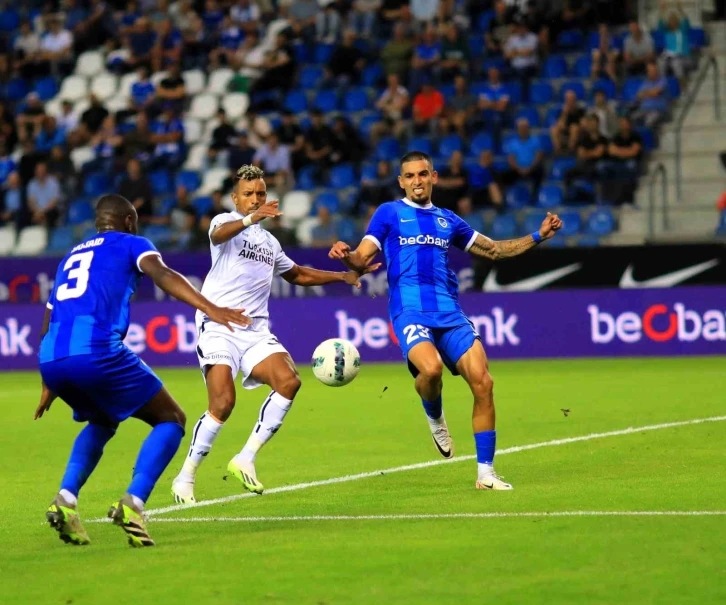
[574,323]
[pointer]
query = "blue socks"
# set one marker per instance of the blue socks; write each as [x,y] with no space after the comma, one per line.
[87,451]
[486,443]
[433,409]
[156,453]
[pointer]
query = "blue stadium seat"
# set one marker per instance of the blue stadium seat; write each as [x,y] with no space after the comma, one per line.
[61,240]
[588,241]
[311,76]
[423,144]
[355,100]
[673,87]
[571,223]
[583,67]
[189,179]
[372,75]
[658,41]
[348,201]
[607,86]
[531,114]
[46,88]
[576,86]
[88,233]
[448,91]
[306,178]
[125,128]
[80,211]
[533,221]
[518,196]
[481,142]
[95,184]
[9,20]
[630,89]
[305,123]
[497,62]
[322,53]
[515,92]
[366,123]
[449,144]
[554,66]
[329,199]
[476,45]
[347,230]
[165,206]
[17,89]
[485,20]
[202,205]
[560,166]
[550,196]
[504,226]
[721,228]
[500,164]
[541,93]
[697,37]
[601,222]
[161,183]
[160,235]
[388,149]
[553,114]
[302,54]
[326,101]
[556,242]
[572,39]
[296,101]
[648,136]
[545,141]
[342,176]
[368,171]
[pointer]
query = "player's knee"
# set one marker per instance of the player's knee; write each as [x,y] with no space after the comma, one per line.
[288,385]
[221,404]
[432,371]
[484,385]
[181,418]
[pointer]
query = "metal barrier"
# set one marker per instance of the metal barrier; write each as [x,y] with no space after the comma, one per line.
[700,77]
[660,169]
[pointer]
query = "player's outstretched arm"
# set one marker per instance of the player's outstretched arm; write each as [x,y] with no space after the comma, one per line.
[496,250]
[47,397]
[226,231]
[307,276]
[176,285]
[358,259]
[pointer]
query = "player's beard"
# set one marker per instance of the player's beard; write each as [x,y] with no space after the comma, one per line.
[421,198]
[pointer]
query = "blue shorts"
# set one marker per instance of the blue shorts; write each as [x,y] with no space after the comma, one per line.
[451,333]
[102,388]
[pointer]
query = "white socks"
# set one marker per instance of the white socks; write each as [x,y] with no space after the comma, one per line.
[205,432]
[484,469]
[68,497]
[272,413]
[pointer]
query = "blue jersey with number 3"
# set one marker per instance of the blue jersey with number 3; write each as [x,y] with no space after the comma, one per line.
[90,299]
[415,241]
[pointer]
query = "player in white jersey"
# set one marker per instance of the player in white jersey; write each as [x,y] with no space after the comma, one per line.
[245,258]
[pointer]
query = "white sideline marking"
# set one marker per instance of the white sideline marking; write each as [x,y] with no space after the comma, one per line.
[406,517]
[412,467]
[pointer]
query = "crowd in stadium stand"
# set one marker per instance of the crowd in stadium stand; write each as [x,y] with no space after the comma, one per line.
[524,104]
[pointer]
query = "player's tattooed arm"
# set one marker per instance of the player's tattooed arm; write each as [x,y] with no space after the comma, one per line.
[496,250]
[226,231]
[307,276]
[358,259]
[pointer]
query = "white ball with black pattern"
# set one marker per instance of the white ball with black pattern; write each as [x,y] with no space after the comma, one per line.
[336,362]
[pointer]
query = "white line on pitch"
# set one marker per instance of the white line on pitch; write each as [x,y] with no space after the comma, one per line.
[420,465]
[415,517]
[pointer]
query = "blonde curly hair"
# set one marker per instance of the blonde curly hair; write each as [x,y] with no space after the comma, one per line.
[249,173]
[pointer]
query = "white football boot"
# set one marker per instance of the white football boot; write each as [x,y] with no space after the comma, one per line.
[183,491]
[492,481]
[440,434]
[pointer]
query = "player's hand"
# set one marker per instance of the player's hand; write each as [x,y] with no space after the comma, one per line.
[229,317]
[339,251]
[551,225]
[353,277]
[269,209]
[47,397]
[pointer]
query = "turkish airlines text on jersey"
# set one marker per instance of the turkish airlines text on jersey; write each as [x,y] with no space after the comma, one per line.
[658,323]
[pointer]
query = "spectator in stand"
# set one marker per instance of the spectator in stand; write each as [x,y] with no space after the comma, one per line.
[285,236]
[30,121]
[25,50]
[43,197]
[428,106]
[197,41]
[484,190]
[91,121]
[328,23]
[394,12]
[290,134]
[246,15]
[392,104]
[525,157]
[168,134]
[182,219]
[279,68]
[455,55]
[465,209]
[129,17]
[168,46]
[363,15]
[566,131]
[74,16]
[137,144]
[592,149]
[426,58]
[374,192]
[8,132]
[105,143]
[606,113]
[534,14]
[575,14]
[274,159]
[205,221]
[136,188]
[461,107]
[56,50]
[453,183]
[142,40]
[61,167]
[12,211]
[240,154]
[229,39]
[639,50]
[258,128]
[675,28]
[172,90]
[605,56]
[319,143]
[423,12]
[346,143]
[224,136]
[625,152]
[249,57]
[212,15]
[397,52]
[67,120]
[143,91]
[302,15]
[493,104]
[346,63]
[499,29]
[325,233]
[652,98]
[29,161]
[50,136]
[7,164]
[521,52]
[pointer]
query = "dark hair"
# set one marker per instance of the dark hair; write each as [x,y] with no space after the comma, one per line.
[113,204]
[413,156]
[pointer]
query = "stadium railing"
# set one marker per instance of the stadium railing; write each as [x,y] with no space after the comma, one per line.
[660,169]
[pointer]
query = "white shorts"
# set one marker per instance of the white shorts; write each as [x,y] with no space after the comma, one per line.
[241,350]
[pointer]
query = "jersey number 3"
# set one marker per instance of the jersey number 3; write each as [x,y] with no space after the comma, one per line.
[78,266]
[414,332]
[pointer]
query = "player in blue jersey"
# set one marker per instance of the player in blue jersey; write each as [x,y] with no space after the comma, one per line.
[84,361]
[431,327]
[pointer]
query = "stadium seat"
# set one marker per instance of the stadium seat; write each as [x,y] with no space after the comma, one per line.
[697,36]
[302,54]
[545,141]
[518,196]
[533,221]
[515,92]
[296,205]
[304,230]
[104,86]
[326,101]
[61,240]
[649,138]
[553,114]
[311,77]
[202,205]
[530,114]
[720,229]
[583,67]
[588,241]
[572,39]
[372,75]
[388,149]
[160,235]
[554,66]
[307,178]
[322,53]
[329,199]
[550,196]
[165,206]
[89,64]
[504,226]
[204,106]
[126,82]
[188,179]
[571,223]
[117,103]
[96,183]
[74,88]
[605,85]
[630,89]
[347,231]
[193,131]
[574,85]
[355,100]
[296,101]
[212,180]
[673,87]
[366,123]
[219,80]
[195,82]
[7,239]
[476,45]
[485,20]
[342,176]
[481,142]
[161,183]
[423,144]
[449,144]
[601,223]
[31,241]
[348,200]
[541,93]
[195,157]
[80,211]
[560,166]
[498,62]
[17,89]
[46,88]
[81,155]
[9,20]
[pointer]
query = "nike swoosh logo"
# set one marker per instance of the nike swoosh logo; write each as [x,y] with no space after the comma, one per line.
[531,283]
[444,453]
[407,220]
[669,279]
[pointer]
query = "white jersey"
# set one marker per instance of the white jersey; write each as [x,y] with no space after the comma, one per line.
[243,268]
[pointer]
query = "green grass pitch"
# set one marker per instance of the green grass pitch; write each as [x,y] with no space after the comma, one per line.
[336,432]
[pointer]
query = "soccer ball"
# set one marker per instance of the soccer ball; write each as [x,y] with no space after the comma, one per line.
[336,362]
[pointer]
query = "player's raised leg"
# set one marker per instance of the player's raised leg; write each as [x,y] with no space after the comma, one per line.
[167,420]
[277,371]
[474,367]
[425,358]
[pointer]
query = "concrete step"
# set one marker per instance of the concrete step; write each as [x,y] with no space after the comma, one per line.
[700,140]
[695,195]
